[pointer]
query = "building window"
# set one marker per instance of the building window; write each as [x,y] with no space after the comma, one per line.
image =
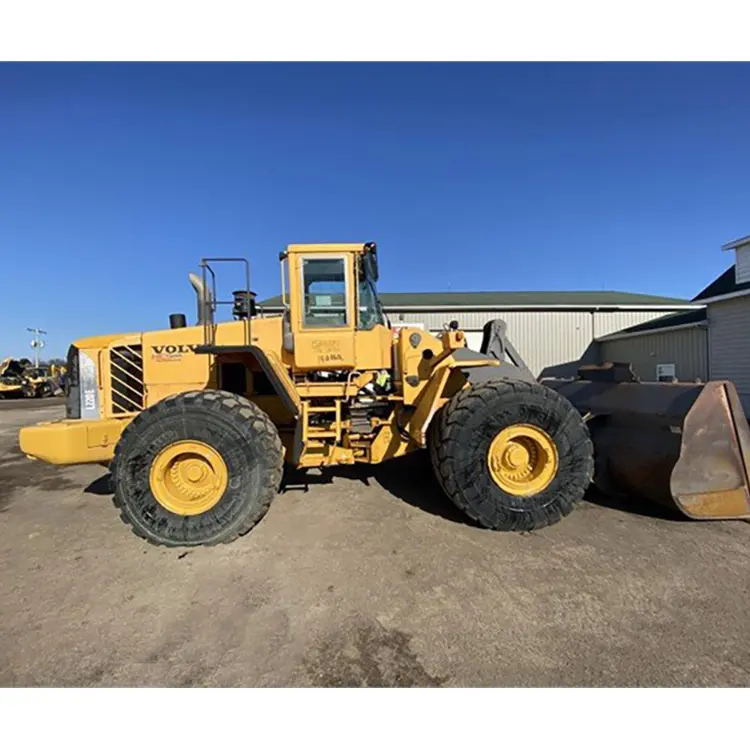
[666,373]
[324,283]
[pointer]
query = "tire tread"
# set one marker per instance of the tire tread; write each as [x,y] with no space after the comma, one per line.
[483,501]
[239,410]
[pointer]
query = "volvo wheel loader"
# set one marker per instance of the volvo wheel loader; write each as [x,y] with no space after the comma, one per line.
[196,422]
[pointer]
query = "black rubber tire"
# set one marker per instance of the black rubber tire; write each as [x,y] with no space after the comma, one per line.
[242,433]
[459,438]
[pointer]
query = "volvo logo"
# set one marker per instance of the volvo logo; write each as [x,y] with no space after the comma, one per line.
[171,352]
[174,348]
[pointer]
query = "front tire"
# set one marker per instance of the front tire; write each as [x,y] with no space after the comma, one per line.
[199,468]
[513,456]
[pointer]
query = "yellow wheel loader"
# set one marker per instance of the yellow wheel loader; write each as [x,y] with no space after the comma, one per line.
[196,422]
[40,382]
[13,384]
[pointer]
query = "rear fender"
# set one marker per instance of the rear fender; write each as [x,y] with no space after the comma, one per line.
[272,367]
[279,377]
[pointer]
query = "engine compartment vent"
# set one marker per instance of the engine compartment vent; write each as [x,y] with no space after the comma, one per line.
[126,376]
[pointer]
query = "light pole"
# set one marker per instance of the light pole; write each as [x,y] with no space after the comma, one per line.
[36,343]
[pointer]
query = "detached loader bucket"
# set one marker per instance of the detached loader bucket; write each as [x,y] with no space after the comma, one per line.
[680,444]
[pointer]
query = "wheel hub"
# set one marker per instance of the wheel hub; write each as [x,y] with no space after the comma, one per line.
[522,459]
[188,477]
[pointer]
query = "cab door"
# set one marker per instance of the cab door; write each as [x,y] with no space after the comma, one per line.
[323,318]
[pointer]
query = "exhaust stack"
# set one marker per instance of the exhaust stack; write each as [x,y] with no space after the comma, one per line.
[204,298]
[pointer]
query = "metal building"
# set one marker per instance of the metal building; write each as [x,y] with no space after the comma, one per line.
[707,338]
[674,346]
[553,331]
[711,343]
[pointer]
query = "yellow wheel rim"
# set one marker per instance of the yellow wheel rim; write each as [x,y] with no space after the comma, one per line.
[522,460]
[188,478]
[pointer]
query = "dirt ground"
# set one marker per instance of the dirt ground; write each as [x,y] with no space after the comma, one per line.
[365,577]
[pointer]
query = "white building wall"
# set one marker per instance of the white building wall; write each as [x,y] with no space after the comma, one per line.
[729,344]
[742,264]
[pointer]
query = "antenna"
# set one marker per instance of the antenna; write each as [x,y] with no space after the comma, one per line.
[37,342]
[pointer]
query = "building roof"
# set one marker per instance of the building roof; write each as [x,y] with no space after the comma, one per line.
[734,244]
[449,300]
[724,284]
[685,319]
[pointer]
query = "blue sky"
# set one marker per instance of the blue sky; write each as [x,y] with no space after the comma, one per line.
[116,179]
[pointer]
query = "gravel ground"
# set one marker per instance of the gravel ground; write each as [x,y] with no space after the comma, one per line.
[360,577]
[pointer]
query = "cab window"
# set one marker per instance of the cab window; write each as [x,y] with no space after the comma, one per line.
[324,290]
[369,311]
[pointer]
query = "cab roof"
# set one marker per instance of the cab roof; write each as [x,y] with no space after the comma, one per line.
[330,247]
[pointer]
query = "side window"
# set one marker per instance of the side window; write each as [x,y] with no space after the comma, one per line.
[666,373]
[367,309]
[324,290]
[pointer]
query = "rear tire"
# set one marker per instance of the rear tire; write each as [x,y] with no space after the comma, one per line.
[462,433]
[228,426]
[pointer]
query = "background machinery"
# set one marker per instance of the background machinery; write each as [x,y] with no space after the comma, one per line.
[196,422]
[12,383]
[40,380]
[21,379]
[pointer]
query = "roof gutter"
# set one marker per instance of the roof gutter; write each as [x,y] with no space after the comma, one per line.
[650,331]
[722,297]
[735,244]
[471,308]
[595,308]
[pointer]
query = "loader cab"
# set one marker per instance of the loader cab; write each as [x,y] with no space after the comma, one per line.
[333,318]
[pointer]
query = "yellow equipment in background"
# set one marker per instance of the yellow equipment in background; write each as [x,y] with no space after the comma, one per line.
[12,384]
[40,381]
[19,379]
[196,422]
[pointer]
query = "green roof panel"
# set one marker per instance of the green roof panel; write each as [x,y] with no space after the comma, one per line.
[396,300]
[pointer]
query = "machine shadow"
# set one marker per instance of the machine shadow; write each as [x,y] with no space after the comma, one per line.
[409,478]
[634,506]
[100,486]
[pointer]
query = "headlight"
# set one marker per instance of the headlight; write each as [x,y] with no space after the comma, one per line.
[72,385]
[89,387]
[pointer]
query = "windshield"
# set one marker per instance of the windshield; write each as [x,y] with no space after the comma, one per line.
[370,311]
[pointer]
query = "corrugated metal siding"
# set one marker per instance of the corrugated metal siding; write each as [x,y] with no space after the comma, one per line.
[729,343]
[552,343]
[550,339]
[686,348]
[611,322]
[542,338]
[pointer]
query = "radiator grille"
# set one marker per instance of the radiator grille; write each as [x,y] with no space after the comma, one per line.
[126,375]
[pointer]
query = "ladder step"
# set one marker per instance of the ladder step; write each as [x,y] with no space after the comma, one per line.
[321,409]
[321,433]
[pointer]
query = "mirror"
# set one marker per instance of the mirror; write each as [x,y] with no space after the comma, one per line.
[370,259]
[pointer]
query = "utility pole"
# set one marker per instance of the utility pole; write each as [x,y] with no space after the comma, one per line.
[37,342]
